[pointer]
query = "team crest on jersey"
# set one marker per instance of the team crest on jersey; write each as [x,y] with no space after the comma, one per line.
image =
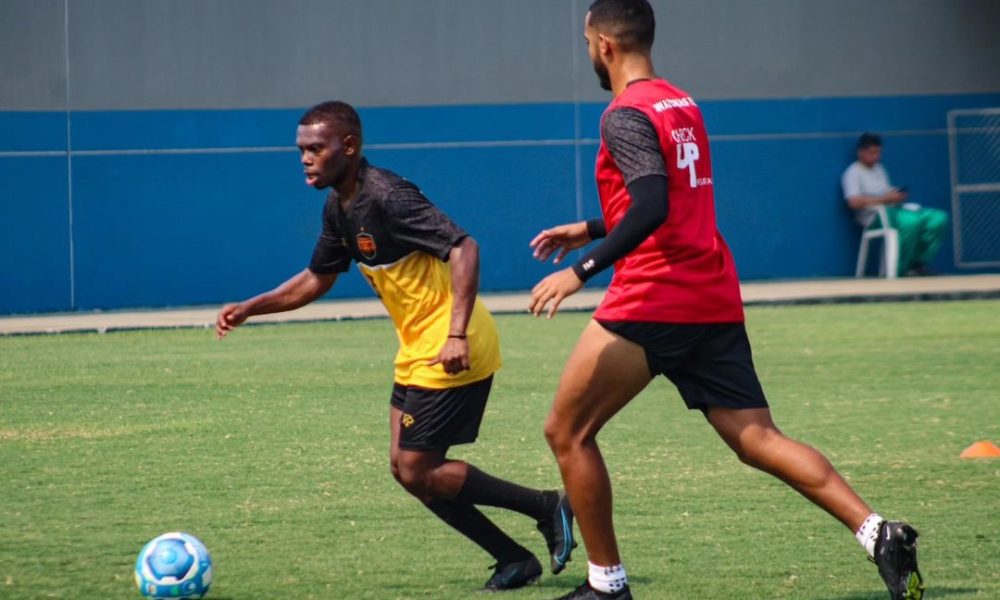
[366,245]
[407,420]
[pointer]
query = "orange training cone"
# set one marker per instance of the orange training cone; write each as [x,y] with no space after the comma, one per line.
[982,449]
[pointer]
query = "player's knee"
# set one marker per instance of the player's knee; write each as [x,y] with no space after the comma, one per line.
[755,449]
[412,479]
[565,439]
[556,434]
[746,456]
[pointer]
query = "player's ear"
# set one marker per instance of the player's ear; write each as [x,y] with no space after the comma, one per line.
[352,144]
[604,44]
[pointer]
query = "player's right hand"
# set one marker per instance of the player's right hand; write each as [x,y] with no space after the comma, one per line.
[555,288]
[564,238]
[454,356]
[231,315]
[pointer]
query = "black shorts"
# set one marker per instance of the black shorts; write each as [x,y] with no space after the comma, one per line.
[439,419]
[711,363]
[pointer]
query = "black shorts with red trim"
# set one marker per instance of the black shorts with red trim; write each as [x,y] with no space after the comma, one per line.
[439,419]
[710,363]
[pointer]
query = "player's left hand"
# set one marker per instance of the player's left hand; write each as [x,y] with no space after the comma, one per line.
[555,288]
[454,356]
[564,238]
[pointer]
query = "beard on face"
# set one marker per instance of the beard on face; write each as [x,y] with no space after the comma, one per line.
[603,76]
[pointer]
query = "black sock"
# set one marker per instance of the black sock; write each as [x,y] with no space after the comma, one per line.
[484,489]
[467,520]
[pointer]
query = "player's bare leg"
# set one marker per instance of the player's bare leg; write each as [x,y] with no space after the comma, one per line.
[752,434]
[425,474]
[603,373]
[442,485]
[431,474]
[755,439]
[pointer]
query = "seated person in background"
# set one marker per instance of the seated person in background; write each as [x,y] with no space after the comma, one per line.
[866,185]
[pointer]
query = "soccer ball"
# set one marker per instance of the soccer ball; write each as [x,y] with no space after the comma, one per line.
[173,565]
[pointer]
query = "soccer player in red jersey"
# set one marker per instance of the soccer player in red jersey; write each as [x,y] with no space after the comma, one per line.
[673,307]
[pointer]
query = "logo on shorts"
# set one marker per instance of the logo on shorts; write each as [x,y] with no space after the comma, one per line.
[366,245]
[407,420]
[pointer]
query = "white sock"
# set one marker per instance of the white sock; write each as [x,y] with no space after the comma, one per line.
[868,533]
[607,579]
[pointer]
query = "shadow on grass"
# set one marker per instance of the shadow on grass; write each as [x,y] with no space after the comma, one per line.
[558,585]
[565,584]
[930,592]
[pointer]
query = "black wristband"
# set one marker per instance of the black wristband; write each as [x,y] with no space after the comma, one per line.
[457,336]
[584,269]
[596,229]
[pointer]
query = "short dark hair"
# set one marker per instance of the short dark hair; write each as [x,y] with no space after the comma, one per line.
[334,112]
[630,22]
[867,140]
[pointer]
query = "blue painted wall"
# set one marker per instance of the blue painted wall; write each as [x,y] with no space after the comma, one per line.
[166,208]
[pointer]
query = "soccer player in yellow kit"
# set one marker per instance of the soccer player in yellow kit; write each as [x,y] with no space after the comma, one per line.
[425,269]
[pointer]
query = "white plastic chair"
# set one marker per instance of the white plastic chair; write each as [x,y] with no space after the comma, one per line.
[890,246]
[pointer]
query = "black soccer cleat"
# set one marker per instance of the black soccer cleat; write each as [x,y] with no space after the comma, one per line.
[558,533]
[585,592]
[896,558]
[514,575]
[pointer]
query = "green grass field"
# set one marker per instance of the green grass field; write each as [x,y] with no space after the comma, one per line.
[272,447]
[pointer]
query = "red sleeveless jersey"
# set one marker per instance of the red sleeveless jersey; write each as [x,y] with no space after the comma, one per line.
[683,272]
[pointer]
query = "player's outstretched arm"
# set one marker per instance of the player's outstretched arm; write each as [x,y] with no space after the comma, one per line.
[564,238]
[298,291]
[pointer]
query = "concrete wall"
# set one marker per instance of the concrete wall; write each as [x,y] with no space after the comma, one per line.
[146,148]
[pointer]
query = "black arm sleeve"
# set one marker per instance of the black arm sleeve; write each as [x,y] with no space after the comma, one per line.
[648,211]
[634,144]
[596,229]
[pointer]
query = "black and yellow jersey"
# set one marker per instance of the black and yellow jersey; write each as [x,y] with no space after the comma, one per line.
[401,243]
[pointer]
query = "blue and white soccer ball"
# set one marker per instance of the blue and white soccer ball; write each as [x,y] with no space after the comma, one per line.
[174,565]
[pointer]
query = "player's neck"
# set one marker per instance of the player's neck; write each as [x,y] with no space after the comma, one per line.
[347,189]
[633,67]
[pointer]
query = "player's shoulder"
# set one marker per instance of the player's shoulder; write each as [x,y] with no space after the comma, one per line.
[656,94]
[627,124]
[378,182]
[623,116]
[646,100]
[390,190]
